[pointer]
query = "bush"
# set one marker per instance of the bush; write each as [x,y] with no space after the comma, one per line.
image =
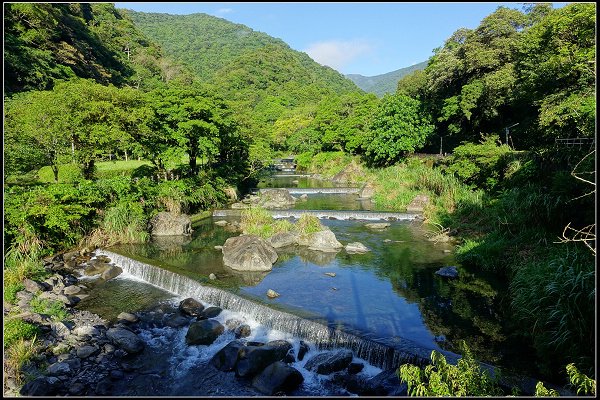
[55,309]
[443,379]
[308,224]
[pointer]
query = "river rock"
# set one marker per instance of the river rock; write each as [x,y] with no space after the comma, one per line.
[126,340]
[112,272]
[212,276]
[128,317]
[242,331]
[418,204]
[272,294]
[377,225]
[248,253]
[276,378]
[191,307]
[324,240]
[367,191]
[95,267]
[166,224]
[356,247]
[59,368]
[355,367]
[447,272]
[86,351]
[41,386]
[33,286]
[253,359]
[86,331]
[203,332]
[302,350]
[331,361]
[226,358]
[71,290]
[386,383]
[221,223]
[283,239]
[276,199]
[211,312]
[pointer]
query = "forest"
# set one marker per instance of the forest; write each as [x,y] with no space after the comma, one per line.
[86,85]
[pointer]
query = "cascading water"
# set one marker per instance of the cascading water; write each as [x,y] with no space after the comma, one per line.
[330,214]
[385,356]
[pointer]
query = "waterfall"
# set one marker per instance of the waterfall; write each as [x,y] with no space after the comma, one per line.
[329,214]
[374,350]
[335,190]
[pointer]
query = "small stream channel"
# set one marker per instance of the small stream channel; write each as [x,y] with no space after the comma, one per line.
[387,305]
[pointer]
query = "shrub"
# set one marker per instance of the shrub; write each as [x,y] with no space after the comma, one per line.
[308,224]
[19,265]
[257,221]
[442,379]
[55,309]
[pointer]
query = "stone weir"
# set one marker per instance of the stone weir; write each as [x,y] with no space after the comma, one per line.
[330,214]
[376,351]
[335,190]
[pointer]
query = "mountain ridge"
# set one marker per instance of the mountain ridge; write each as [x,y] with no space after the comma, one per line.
[384,83]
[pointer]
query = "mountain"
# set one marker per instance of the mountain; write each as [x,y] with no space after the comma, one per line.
[384,83]
[48,41]
[211,45]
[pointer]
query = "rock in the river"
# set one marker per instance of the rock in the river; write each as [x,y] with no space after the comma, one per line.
[243,330]
[203,332]
[127,340]
[166,223]
[41,386]
[331,361]
[283,239]
[211,312]
[386,383]
[275,199]
[191,307]
[356,247]
[253,359]
[221,223]
[86,351]
[227,357]
[112,272]
[276,378]
[128,317]
[272,294]
[59,368]
[302,350]
[378,225]
[324,240]
[447,272]
[248,253]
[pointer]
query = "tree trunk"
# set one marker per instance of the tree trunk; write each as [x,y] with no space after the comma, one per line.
[55,171]
[88,169]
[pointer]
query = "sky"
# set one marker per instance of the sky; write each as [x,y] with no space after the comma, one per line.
[353,38]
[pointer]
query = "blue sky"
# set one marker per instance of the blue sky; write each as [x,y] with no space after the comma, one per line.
[353,38]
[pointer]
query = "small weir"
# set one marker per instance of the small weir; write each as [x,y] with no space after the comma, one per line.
[330,214]
[382,353]
[332,190]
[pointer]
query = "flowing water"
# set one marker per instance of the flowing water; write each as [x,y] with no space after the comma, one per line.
[387,305]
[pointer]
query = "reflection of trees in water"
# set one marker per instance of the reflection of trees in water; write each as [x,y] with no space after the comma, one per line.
[459,309]
[317,257]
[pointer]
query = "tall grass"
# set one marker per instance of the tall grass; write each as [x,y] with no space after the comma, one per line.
[19,265]
[17,356]
[257,221]
[122,223]
[553,292]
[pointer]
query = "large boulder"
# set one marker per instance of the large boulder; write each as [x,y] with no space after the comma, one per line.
[277,378]
[127,340]
[283,239]
[324,240]
[276,199]
[226,358]
[203,332]
[248,253]
[167,224]
[385,383]
[254,359]
[331,361]
[418,204]
[191,307]
[367,191]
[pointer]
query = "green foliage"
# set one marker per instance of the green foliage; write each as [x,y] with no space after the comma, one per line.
[20,263]
[542,391]
[398,128]
[257,221]
[308,224]
[553,293]
[443,379]
[55,309]
[479,165]
[15,329]
[582,383]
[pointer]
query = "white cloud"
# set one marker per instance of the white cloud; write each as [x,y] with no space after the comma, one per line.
[224,10]
[336,54]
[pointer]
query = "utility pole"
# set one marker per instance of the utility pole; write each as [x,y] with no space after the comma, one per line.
[506,132]
[441,152]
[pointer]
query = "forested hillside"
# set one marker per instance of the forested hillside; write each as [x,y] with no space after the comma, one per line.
[48,41]
[384,83]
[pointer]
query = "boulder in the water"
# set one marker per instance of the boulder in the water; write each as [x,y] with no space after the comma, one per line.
[272,294]
[378,225]
[191,307]
[356,247]
[203,332]
[331,361]
[254,359]
[448,272]
[324,240]
[166,224]
[127,340]
[226,358]
[283,239]
[276,199]
[278,378]
[248,253]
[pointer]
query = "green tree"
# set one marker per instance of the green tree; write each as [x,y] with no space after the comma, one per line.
[398,127]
